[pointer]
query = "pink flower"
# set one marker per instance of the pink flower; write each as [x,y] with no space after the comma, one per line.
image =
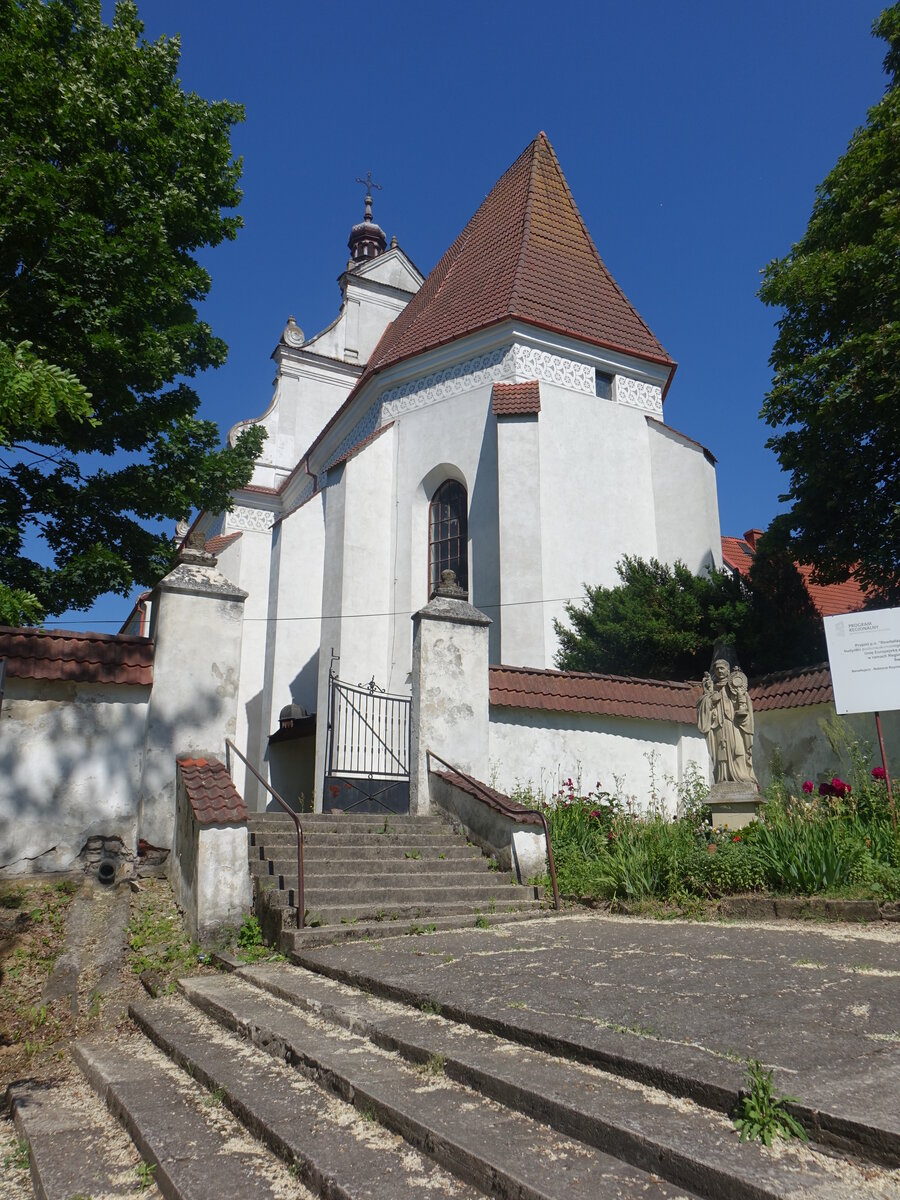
[808,786]
[595,812]
[879,773]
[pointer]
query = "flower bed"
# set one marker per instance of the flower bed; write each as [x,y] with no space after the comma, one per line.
[832,839]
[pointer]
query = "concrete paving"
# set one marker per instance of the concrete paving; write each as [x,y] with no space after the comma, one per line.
[676,1004]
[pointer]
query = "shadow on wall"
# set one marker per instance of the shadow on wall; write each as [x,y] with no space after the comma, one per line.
[71,757]
[292,764]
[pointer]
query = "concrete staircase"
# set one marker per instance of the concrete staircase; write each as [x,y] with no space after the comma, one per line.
[282,1082]
[372,876]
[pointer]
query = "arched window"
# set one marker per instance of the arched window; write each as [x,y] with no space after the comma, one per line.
[448,536]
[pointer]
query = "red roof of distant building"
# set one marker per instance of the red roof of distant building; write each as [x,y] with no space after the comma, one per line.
[211,792]
[580,692]
[516,399]
[67,655]
[525,254]
[829,598]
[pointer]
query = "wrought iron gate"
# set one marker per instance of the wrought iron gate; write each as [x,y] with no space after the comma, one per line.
[367,758]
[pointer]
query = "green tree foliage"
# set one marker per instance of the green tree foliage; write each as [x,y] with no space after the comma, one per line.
[835,396]
[661,622]
[113,179]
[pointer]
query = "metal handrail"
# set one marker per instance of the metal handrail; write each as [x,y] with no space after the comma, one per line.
[508,809]
[301,905]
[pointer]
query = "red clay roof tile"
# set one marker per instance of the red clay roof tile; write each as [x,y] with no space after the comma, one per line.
[217,544]
[829,598]
[648,699]
[792,689]
[76,657]
[211,792]
[490,796]
[516,399]
[525,254]
[579,692]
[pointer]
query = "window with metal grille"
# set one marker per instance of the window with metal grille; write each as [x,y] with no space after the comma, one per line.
[448,537]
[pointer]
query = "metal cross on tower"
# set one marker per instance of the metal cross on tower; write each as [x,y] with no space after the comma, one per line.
[369,182]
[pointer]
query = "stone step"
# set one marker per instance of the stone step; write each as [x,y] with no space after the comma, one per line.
[381,851]
[75,1148]
[363,928]
[424,892]
[498,885]
[347,842]
[354,868]
[390,909]
[191,1152]
[503,1152]
[366,821]
[206,1155]
[687,1144]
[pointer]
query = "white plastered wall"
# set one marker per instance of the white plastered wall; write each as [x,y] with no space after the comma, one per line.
[634,759]
[70,766]
[596,497]
[685,500]
[252,720]
[795,739]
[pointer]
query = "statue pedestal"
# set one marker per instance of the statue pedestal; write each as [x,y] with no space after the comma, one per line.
[734,804]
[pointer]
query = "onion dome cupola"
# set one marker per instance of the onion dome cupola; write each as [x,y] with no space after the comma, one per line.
[367,240]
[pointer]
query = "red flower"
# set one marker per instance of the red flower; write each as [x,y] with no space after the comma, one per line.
[736,838]
[879,773]
[595,812]
[825,789]
[839,788]
[808,786]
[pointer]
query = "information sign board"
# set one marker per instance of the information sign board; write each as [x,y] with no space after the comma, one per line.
[864,655]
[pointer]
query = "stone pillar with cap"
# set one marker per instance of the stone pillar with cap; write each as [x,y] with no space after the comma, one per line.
[450,688]
[196,629]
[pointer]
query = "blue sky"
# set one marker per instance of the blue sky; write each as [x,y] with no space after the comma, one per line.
[692,136]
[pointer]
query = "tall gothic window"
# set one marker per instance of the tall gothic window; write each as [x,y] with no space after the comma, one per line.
[448,537]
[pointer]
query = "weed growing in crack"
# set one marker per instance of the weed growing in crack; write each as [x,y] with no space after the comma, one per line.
[761,1115]
[145,1173]
[19,1158]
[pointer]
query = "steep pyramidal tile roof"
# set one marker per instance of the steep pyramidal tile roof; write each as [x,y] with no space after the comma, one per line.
[210,791]
[516,399]
[525,254]
[76,657]
[829,598]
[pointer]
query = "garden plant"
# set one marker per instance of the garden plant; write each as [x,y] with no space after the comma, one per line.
[828,837]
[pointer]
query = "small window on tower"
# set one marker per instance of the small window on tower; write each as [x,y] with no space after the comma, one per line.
[603,385]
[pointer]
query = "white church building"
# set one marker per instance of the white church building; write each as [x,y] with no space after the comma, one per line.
[502,418]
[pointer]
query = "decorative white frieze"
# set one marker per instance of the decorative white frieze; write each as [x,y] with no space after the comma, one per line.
[634,393]
[463,377]
[514,364]
[257,520]
[361,430]
[531,363]
[302,496]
